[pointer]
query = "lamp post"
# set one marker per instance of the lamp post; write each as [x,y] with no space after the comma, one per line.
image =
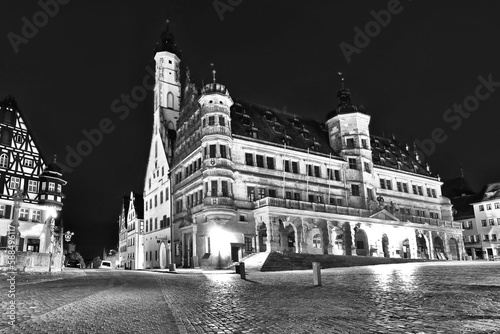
[53,215]
[17,197]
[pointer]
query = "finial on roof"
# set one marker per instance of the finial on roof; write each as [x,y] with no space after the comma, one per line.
[55,158]
[341,79]
[213,71]
[461,172]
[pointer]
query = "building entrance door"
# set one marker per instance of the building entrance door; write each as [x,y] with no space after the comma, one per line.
[235,253]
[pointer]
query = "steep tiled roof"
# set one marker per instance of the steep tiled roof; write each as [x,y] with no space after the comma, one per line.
[391,153]
[491,191]
[462,206]
[456,188]
[276,126]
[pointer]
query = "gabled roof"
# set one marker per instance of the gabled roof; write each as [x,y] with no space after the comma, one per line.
[139,206]
[390,153]
[279,127]
[490,192]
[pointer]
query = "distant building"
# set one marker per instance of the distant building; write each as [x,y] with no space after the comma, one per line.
[23,170]
[135,232]
[123,233]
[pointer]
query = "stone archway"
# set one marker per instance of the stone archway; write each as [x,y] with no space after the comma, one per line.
[163,256]
[454,250]
[291,239]
[262,235]
[385,246]
[361,240]
[439,249]
[422,250]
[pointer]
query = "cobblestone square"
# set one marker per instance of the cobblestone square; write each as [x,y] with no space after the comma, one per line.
[441,297]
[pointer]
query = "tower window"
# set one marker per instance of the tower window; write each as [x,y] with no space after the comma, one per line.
[355,190]
[211,120]
[352,163]
[350,143]
[223,152]
[222,121]
[170,100]
[212,151]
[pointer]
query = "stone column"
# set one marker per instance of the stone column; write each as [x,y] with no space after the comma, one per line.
[273,235]
[195,237]
[432,254]
[446,245]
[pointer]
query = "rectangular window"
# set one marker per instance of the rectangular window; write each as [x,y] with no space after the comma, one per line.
[367,167]
[399,186]
[161,197]
[319,199]
[214,188]
[420,192]
[382,183]
[369,193]
[249,159]
[483,222]
[488,207]
[405,187]
[486,237]
[223,153]
[261,193]
[433,191]
[288,195]
[310,198]
[414,188]
[24,214]
[272,193]
[32,186]
[336,173]
[270,162]
[156,201]
[317,171]
[295,167]
[213,149]
[248,244]
[296,196]
[350,143]
[352,163]
[355,190]
[52,186]
[251,193]
[260,160]
[364,143]
[429,192]
[497,205]
[211,120]
[224,188]
[287,166]
[388,184]
[2,211]
[207,245]
[156,223]
[492,222]
[222,121]
[36,215]
[15,182]
[481,208]
[309,170]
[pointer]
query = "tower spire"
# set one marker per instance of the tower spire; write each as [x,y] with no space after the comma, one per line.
[213,71]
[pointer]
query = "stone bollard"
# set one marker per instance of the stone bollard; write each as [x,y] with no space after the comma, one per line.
[317,273]
[243,274]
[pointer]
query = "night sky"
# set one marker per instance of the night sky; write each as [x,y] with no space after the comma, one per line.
[285,54]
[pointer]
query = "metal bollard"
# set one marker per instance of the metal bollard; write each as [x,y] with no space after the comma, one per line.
[317,273]
[243,274]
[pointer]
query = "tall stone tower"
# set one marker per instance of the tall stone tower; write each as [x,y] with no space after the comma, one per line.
[167,92]
[217,144]
[349,134]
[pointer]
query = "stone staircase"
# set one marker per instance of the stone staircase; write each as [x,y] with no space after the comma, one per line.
[277,261]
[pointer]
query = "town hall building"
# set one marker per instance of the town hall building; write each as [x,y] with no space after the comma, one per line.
[228,178]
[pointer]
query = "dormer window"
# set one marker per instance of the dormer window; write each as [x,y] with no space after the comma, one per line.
[269,116]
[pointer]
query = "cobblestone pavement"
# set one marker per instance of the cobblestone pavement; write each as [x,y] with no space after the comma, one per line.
[445,297]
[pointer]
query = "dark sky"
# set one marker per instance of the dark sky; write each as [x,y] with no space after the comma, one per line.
[284,54]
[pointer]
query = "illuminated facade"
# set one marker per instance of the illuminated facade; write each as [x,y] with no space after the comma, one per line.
[246,178]
[22,168]
[135,232]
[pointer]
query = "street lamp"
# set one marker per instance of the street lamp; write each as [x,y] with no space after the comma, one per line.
[53,214]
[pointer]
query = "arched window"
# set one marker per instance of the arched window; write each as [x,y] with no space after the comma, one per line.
[4,160]
[317,241]
[170,100]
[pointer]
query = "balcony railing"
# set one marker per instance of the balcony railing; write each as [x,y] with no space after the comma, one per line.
[344,210]
[218,201]
[215,130]
[214,108]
